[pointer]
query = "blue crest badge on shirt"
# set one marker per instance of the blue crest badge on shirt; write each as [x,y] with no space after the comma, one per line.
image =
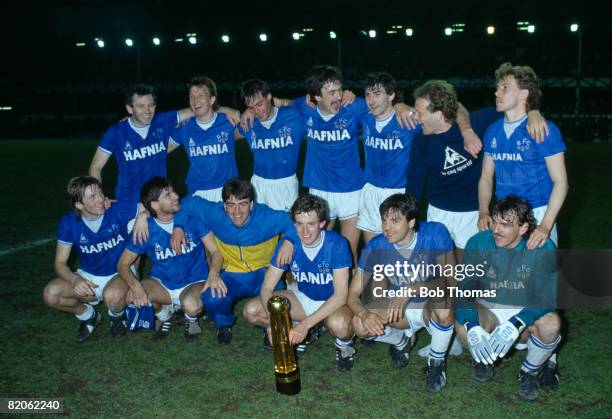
[494,143]
[127,146]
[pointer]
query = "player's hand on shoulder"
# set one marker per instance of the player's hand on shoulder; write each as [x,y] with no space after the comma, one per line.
[140,231]
[484,221]
[537,126]
[178,241]
[247,120]
[348,97]
[471,142]
[285,253]
[406,116]
[538,237]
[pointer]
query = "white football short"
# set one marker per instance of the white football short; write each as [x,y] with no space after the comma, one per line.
[213,195]
[341,205]
[308,304]
[461,225]
[369,203]
[100,281]
[278,194]
[175,294]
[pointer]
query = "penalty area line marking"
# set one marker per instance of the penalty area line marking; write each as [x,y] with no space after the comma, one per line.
[25,246]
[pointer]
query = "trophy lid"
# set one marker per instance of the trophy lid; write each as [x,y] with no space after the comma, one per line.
[278,303]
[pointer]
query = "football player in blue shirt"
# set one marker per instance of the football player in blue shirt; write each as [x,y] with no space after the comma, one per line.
[387,151]
[98,236]
[175,280]
[274,139]
[388,302]
[208,139]
[524,282]
[320,264]
[139,144]
[521,166]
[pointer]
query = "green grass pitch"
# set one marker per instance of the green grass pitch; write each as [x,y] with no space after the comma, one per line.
[138,377]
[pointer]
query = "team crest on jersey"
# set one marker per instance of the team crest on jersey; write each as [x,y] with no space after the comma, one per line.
[323,267]
[523,145]
[127,146]
[523,271]
[295,267]
[494,143]
[310,122]
[452,158]
[492,273]
[191,142]
[253,136]
[113,228]
[158,248]
[83,239]
[341,123]
[284,132]
[223,137]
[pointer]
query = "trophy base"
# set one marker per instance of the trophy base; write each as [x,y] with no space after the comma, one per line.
[289,383]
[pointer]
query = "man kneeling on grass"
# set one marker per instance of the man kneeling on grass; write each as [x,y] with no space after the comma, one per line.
[320,264]
[525,282]
[175,279]
[99,236]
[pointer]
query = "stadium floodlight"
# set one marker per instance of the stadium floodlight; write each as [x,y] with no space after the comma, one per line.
[295,36]
[372,33]
[177,40]
[129,42]
[156,41]
[80,44]
[6,108]
[574,27]
[448,31]
[225,38]
[490,30]
[531,28]
[100,43]
[192,40]
[263,37]
[332,35]
[409,32]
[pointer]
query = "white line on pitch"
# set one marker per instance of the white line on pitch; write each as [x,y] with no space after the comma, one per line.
[25,246]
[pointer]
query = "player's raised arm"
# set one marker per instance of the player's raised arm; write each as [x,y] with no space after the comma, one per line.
[485,192]
[98,162]
[471,142]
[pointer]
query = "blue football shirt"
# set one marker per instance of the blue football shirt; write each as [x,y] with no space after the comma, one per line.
[276,149]
[138,159]
[99,252]
[520,165]
[332,155]
[211,153]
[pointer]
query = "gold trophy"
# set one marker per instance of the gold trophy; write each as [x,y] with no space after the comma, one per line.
[285,362]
